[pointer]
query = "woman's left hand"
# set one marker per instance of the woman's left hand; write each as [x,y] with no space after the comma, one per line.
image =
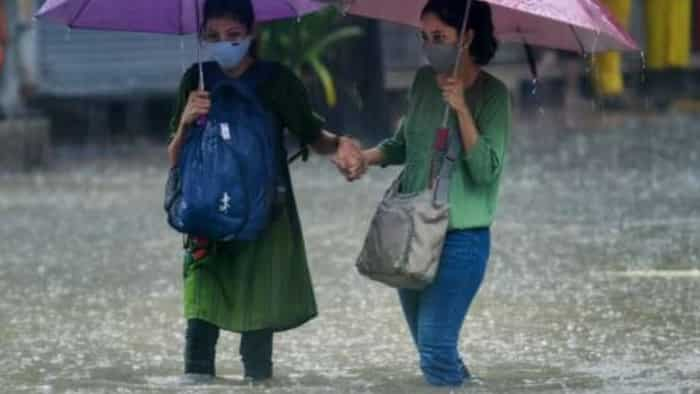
[453,93]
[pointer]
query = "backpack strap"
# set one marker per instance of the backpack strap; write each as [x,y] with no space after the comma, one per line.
[302,153]
[264,70]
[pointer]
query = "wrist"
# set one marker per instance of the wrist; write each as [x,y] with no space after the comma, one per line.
[373,157]
[183,125]
[369,158]
[462,112]
[340,140]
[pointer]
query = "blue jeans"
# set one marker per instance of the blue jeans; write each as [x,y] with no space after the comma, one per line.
[435,314]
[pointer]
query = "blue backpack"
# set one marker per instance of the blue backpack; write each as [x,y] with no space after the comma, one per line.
[226,180]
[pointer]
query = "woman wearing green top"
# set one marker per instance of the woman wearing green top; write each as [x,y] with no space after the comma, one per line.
[481,112]
[258,287]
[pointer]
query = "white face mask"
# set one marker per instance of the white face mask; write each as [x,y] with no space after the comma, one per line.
[229,54]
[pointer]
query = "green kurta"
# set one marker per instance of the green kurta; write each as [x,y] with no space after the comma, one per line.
[476,178]
[264,284]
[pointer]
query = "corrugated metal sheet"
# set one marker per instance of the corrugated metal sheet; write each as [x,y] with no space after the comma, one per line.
[82,63]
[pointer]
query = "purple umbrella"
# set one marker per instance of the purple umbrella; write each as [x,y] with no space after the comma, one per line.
[157,16]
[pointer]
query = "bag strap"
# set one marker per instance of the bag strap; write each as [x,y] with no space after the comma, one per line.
[262,71]
[302,154]
[451,149]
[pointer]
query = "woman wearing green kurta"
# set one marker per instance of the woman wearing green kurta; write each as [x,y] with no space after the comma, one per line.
[481,112]
[257,287]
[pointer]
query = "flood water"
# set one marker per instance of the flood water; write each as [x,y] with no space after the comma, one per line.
[592,287]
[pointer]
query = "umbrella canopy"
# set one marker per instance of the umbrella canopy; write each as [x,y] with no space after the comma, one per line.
[156,16]
[583,26]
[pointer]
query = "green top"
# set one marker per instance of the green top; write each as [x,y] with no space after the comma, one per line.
[264,284]
[476,177]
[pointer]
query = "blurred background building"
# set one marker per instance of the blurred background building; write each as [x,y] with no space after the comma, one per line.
[101,87]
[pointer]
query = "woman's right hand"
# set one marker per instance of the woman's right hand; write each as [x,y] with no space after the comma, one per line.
[198,104]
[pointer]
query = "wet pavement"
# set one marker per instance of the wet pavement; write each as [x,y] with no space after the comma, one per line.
[592,286]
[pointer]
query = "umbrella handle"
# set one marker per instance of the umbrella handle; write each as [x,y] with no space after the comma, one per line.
[201,74]
[458,63]
[202,120]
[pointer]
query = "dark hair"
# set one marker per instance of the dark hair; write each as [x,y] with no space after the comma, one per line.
[239,10]
[451,12]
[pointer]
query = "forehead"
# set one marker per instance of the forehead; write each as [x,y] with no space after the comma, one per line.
[432,23]
[225,24]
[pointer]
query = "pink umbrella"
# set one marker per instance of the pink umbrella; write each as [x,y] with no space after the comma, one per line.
[583,26]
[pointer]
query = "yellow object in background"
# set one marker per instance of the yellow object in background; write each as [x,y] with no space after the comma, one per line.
[668,33]
[607,66]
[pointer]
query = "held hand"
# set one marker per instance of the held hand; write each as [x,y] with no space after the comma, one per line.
[350,160]
[453,93]
[198,104]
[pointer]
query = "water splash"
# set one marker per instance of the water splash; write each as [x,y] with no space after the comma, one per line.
[643,61]
[549,316]
[343,6]
[643,80]
[595,77]
[665,274]
[589,70]
[534,84]
[183,63]
[596,39]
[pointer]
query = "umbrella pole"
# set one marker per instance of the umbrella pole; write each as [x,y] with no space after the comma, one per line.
[199,46]
[531,61]
[202,120]
[443,133]
[458,63]
[201,69]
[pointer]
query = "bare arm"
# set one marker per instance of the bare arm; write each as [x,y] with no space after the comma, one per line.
[373,157]
[198,104]
[175,145]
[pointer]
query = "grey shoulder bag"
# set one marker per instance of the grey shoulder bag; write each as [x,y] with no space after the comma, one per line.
[407,234]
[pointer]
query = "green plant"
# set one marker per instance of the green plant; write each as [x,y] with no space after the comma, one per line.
[305,44]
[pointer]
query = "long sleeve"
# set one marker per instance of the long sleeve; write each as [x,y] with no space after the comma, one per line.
[485,160]
[394,148]
[294,107]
